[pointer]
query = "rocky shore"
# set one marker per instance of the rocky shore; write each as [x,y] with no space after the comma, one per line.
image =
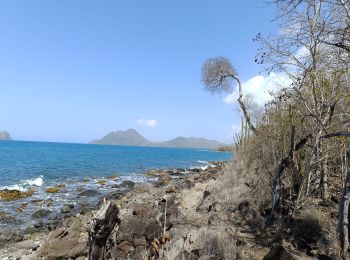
[201,213]
[152,214]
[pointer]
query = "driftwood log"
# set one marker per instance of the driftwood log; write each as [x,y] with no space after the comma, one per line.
[102,225]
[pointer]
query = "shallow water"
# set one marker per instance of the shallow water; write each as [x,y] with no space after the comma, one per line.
[20,161]
[39,165]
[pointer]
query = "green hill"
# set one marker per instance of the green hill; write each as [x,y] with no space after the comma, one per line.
[131,137]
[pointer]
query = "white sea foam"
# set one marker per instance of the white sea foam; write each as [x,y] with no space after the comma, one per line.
[26,184]
[203,162]
[204,168]
[38,182]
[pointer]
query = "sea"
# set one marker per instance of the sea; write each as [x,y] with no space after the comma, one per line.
[35,166]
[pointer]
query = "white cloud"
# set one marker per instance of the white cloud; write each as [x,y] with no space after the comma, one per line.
[147,122]
[260,86]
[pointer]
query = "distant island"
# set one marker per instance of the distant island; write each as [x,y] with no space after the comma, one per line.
[131,137]
[5,136]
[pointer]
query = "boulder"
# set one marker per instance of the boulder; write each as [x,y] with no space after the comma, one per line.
[26,244]
[62,243]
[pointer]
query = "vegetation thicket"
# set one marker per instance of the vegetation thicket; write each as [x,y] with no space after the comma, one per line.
[295,155]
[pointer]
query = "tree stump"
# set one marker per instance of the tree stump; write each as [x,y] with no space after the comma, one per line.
[102,225]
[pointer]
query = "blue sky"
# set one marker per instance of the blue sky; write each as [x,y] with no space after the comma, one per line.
[73,71]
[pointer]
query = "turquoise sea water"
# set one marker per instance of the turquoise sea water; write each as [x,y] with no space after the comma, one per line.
[35,166]
[22,161]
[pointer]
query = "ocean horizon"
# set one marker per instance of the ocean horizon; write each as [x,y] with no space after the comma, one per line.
[22,163]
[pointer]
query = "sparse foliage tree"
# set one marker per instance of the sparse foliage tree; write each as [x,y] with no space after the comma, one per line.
[305,128]
[218,76]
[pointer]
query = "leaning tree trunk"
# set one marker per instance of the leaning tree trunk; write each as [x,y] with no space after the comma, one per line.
[102,225]
[344,213]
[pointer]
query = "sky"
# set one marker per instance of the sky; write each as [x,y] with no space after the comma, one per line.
[73,71]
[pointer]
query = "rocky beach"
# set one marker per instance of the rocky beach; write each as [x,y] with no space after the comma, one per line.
[152,214]
[199,213]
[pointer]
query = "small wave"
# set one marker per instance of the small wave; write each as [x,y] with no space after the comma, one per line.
[26,184]
[203,162]
[204,168]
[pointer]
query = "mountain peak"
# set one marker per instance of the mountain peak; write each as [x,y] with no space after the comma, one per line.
[131,137]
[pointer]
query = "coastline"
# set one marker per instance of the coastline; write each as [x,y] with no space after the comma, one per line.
[34,241]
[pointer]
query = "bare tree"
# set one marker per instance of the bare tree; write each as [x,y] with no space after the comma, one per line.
[218,76]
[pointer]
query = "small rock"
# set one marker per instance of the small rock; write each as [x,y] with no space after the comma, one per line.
[127,184]
[123,249]
[153,230]
[140,253]
[313,252]
[49,202]
[38,224]
[6,218]
[88,193]
[164,179]
[115,194]
[139,241]
[279,252]
[67,208]
[41,213]
[170,189]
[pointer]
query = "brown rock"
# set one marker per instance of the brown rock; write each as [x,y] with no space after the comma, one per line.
[170,189]
[164,179]
[153,230]
[123,249]
[139,241]
[279,252]
[140,253]
[126,230]
[62,244]
[26,244]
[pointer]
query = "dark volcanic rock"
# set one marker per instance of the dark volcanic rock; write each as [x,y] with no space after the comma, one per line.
[89,193]
[127,184]
[6,218]
[153,230]
[41,213]
[115,194]
[67,208]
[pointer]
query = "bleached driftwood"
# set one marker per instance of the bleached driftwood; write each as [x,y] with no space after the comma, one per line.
[103,223]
